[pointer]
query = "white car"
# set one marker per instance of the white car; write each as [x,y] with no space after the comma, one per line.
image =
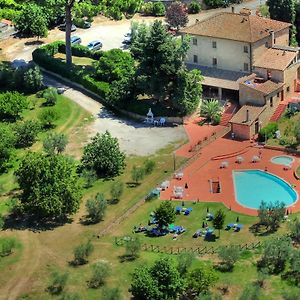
[94,45]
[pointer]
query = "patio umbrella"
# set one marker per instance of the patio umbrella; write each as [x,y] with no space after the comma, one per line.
[239,159]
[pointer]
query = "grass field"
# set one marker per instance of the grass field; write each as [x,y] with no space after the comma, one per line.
[286,126]
[80,61]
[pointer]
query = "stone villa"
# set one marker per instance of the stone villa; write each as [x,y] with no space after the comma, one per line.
[245,57]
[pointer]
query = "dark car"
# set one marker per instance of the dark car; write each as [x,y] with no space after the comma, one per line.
[63,27]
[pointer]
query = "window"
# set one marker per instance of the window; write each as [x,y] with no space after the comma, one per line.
[278,95]
[195,41]
[287,89]
[214,44]
[246,67]
[271,102]
[195,58]
[245,49]
[214,61]
[274,41]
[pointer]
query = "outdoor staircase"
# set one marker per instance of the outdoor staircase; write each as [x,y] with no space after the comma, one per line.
[278,112]
[227,115]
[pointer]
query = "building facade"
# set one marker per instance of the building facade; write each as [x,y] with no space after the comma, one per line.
[249,55]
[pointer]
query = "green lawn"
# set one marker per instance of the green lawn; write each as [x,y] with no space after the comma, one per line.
[192,223]
[80,61]
[286,126]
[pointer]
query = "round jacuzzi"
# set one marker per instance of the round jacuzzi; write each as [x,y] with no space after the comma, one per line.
[282,160]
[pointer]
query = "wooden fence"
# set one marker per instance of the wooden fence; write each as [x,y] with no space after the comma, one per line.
[120,241]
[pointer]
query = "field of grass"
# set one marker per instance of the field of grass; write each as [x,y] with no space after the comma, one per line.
[286,127]
[80,61]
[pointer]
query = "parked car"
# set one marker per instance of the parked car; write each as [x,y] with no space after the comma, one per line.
[63,27]
[75,40]
[87,24]
[94,45]
[127,39]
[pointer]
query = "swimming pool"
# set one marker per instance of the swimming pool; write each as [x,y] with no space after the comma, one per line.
[254,186]
[282,160]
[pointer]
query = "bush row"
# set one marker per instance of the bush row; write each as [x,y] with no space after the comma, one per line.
[43,56]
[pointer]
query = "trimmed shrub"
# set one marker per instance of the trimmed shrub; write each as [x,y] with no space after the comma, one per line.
[159,9]
[194,7]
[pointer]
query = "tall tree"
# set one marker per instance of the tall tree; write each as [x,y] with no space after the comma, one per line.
[160,57]
[187,91]
[69,4]
[103,155]
[219,220]
[165,214]
[284,10]
[32,21]
[49,185]
[177,15]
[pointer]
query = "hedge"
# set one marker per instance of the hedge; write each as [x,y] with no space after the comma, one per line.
[43,56]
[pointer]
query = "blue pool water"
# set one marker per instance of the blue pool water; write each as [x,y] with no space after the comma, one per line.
[282,160]
[254,186]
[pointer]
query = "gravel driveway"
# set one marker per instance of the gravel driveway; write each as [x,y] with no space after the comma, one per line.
[135,138]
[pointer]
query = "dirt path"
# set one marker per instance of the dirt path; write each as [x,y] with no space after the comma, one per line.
[25,268]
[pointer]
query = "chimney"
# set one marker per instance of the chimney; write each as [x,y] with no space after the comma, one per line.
[247,116]
[232,9]
[272,34]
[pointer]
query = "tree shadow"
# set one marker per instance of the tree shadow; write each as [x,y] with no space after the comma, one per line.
[223,267]
[126,258]
[33,43]
[25,221]
[132,184]
[260,230]
[113,201]
[86,220]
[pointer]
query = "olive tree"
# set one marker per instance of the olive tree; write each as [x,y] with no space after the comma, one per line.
[103,155]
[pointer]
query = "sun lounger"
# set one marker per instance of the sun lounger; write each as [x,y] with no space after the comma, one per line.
[165,185]
[197,233]
[178,210]
[178,175]
[239,159]
[188,211]
[255,159]
[238,227]
[209,217]
[224,164]
[229,226]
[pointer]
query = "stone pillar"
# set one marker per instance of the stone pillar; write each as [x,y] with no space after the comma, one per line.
[220,93]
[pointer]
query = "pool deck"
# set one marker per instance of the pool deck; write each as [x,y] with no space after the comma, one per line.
[198,173]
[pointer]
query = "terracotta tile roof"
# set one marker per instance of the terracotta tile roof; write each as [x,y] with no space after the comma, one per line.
[266,87]
[238,27]
[241,116]
[275,59]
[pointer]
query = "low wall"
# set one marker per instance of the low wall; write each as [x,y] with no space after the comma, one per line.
[169,120]
[282,148]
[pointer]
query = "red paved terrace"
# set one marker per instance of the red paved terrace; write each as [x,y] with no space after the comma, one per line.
[207,166]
